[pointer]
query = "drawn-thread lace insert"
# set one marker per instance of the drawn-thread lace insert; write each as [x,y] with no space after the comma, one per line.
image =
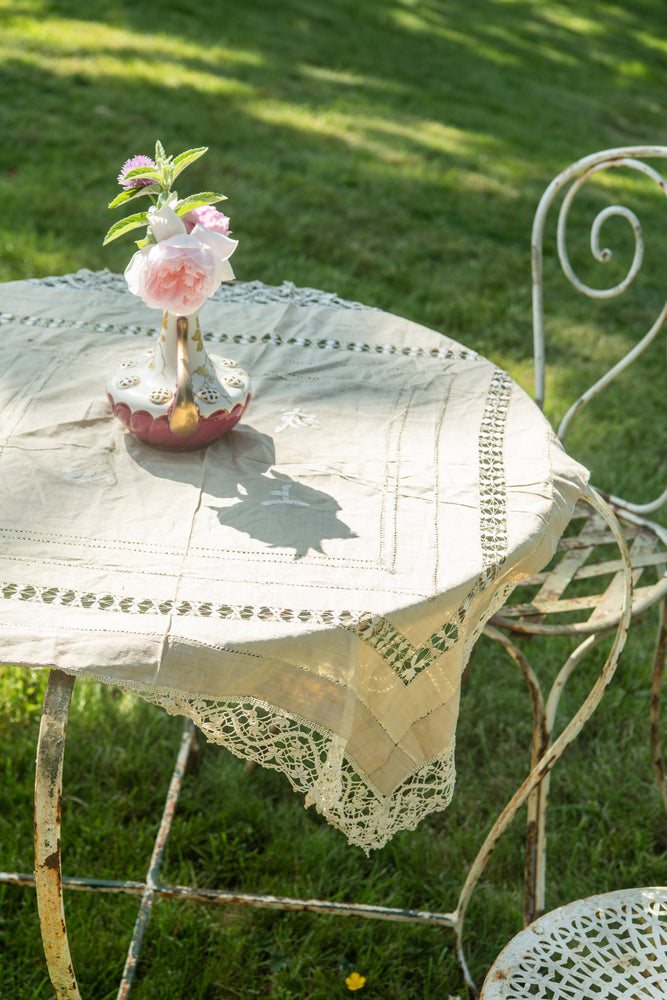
[399,653]
[492,484]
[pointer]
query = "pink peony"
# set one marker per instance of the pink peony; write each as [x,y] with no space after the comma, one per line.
[181,270]
[208,217]
[177,274]
[135,182]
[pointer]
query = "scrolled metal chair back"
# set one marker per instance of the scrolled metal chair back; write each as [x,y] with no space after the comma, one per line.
[570,181]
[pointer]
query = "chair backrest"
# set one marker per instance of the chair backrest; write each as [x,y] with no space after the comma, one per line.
[566,185]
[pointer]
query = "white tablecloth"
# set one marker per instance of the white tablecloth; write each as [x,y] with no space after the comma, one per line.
[309,588]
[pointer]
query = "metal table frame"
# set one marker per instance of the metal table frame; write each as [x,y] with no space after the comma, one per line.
[50,883]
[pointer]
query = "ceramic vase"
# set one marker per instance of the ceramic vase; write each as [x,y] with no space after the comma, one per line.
[176,396]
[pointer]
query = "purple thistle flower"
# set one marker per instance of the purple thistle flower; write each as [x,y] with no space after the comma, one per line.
[135,182]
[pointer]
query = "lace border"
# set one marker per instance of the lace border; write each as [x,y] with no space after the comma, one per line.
[312,758]
[314,762]
[253,292]
[239,291]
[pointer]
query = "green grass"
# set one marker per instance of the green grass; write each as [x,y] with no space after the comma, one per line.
[392,151]
[248,832]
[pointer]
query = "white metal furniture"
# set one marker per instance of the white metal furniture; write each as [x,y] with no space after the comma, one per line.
[612,945]
[570,948]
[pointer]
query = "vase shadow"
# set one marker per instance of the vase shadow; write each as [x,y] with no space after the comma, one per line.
[273,508]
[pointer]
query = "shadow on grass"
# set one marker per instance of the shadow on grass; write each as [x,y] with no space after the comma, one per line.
[394,153]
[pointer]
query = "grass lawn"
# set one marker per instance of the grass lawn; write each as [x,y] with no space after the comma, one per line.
[392,151]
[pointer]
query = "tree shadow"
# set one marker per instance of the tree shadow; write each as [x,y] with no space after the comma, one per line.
[394,150]
[266,504]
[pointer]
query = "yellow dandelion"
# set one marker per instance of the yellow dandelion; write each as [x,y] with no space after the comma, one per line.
[354,981]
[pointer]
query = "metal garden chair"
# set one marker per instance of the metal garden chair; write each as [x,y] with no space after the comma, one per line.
[612,945]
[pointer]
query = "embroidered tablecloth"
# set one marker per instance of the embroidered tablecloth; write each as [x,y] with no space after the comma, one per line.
[309,588]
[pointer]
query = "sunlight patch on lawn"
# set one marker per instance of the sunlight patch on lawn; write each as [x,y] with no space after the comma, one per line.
[576,23]
[66,47]
[388,141]
[657,43]
[27,8]
[411,20]
[503,43]
[343,78]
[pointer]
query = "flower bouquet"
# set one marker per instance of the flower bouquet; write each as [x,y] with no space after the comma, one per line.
[176,396]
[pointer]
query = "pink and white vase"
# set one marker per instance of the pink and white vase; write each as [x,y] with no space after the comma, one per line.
[176,396]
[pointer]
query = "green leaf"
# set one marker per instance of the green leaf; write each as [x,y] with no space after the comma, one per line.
[159,151]
[147,240]
[184,160]
[149,189]
[125,226]
[144,173]
[198,200]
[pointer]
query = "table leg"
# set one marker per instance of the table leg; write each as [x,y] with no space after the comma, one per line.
[48,870]
[187,741]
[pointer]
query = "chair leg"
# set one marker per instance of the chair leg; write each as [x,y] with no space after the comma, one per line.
[48,870]
[656,689]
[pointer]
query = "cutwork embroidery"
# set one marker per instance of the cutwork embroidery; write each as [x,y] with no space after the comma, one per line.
[240,291]
[296,418]
[284,496]
[87,477]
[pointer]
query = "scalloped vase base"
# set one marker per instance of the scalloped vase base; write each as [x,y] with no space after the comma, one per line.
[155,431]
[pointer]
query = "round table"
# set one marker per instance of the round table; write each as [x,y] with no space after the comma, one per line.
[307,589]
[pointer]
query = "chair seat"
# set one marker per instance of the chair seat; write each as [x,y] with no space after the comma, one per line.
[607,947]
[581,590]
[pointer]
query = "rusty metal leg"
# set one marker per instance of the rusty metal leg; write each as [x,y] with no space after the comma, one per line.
[185,748]
[656,688]
[554,751]
[48,871]
[551,707]
[535,845]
